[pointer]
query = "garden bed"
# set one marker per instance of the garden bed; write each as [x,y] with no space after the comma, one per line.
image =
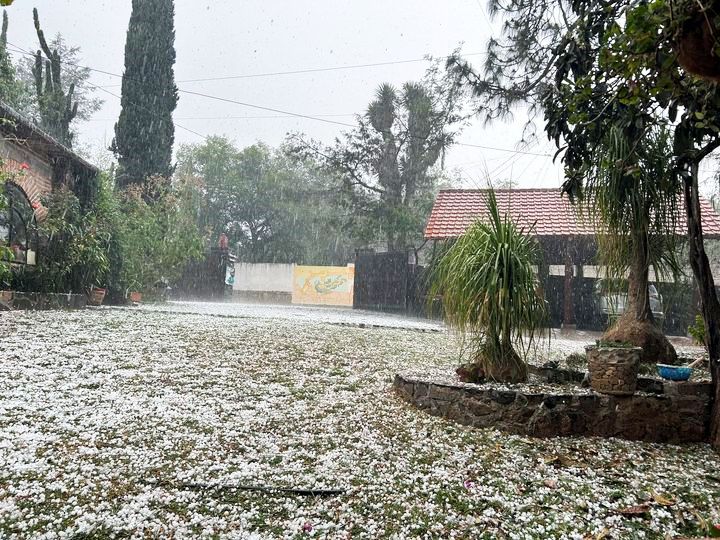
[555,404]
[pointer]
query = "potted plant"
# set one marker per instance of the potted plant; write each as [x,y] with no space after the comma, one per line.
[96,296]
[613,367]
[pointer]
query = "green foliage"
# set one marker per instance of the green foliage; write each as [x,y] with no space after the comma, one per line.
[629,191]
[489,290]
[153,234]
[388,165]
[124,240]
[697,330]
[6,254]
[74,249]
[274,207]
[144,133]
[594,65]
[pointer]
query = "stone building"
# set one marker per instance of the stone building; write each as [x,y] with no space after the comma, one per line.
[33,164]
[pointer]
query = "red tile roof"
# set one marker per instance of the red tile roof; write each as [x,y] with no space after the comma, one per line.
[456,209]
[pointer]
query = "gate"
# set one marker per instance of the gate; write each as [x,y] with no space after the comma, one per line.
[383,281]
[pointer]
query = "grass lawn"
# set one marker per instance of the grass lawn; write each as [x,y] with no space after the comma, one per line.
[144,424]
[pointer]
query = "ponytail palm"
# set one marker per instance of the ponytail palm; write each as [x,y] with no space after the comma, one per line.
[489,291]
[632,193]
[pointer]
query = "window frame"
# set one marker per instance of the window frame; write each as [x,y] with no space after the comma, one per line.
[20,208]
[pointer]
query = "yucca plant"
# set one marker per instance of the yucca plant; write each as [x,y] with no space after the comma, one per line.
[490,292]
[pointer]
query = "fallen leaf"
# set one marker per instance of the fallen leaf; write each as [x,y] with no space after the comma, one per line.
[662,500]
[551,483]
[637,510]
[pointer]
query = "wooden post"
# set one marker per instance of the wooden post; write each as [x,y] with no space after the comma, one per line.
[569,301]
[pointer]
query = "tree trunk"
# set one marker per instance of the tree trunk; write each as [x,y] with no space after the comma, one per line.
[638,302]
[637,324]
[709,304]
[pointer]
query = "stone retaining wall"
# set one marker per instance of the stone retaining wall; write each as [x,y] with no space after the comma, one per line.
[679,413]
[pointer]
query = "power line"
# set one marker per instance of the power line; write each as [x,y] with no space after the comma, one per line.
[263,108]
[118,97]
[426,58]
[320,70]
[504,149]
[258,117]
[200,94]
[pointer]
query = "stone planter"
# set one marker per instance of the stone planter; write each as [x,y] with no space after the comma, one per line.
[613,370]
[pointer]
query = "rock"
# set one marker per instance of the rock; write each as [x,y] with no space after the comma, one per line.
[470,373]
[656,348]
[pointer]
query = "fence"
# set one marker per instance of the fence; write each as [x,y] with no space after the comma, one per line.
[388,282]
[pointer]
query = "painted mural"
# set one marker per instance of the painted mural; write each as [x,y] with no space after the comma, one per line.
[323,285]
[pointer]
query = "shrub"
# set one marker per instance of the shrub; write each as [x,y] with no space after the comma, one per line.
[154,234]
[489,290]
[74,249]
[697,330]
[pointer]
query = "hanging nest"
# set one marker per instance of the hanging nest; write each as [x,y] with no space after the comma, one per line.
[697,39]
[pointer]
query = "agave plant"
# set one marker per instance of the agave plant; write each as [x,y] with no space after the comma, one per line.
[490,292]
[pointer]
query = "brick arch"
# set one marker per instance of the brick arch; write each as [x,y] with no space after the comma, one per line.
[33,186]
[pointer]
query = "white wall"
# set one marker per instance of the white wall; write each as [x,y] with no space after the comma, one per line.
[268,277]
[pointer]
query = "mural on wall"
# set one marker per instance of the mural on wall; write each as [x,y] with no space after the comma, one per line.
[323,285]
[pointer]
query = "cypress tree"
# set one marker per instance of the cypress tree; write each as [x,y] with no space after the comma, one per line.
[144,133]
[7,71]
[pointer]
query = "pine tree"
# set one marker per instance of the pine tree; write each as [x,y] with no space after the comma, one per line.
[144,133]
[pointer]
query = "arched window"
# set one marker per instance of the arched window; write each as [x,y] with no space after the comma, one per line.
[18,228]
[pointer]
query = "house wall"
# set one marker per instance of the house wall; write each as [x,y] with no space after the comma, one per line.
[36,181]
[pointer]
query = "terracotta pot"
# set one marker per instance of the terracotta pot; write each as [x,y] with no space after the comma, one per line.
[96,296]
[613,370]
[135,296]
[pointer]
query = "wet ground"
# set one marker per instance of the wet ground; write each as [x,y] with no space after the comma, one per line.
[308,314]
[188,420]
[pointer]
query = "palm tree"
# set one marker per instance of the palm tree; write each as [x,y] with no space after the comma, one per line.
[630,191]
[489,290]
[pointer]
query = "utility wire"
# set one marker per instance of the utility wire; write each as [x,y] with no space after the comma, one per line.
[150,111]
[199,94]
[427,58]
[20,50]
[265,116]
[320,70]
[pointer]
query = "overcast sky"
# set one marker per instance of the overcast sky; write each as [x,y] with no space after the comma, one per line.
[230,38]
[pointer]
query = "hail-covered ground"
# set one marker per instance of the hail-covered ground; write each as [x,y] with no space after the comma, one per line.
[194,421]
